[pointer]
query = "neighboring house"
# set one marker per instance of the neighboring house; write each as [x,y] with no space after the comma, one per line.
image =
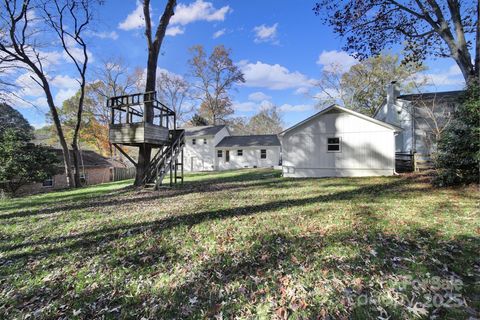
[94,169]
[338,142]
[422,117]
[199,150]
[254,151]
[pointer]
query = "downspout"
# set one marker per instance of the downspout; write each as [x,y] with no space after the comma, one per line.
[395,173]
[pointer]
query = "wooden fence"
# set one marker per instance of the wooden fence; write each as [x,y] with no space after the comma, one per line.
[123,173]
[407,162]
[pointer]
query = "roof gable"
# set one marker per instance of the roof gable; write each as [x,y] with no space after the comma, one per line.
[203,130]
[336,108]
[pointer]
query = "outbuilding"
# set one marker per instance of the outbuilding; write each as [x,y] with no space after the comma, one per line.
[254,151]
[338,142]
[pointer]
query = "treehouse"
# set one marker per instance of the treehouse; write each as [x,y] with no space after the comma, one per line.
[140,120]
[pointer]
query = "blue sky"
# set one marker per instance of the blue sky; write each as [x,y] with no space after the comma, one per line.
[281,46]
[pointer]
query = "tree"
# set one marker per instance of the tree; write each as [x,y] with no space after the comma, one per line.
[175,91]
[19,46]
[198,120]
[214,77]
[363,87]
[68,20]
[113,79]
[12,119]
[266,121]
[22,162]
[441,28]
[154,44]
[458,157]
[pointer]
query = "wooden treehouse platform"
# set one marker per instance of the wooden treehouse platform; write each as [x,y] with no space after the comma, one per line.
[140,120]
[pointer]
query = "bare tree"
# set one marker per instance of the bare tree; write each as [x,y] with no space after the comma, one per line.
[18,45]
[214,77]
[113,78]
[363,86]
[175,91]
[154,43]
[442,28]
[69,19]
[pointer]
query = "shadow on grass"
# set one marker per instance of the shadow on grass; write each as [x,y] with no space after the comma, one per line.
[135,196]
[88,239]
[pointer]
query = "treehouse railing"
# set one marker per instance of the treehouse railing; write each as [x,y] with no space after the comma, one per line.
[129,109]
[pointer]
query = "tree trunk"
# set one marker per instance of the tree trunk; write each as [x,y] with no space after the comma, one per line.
[61,138]
[145,150]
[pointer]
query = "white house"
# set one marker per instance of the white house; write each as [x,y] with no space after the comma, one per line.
[199,150]
[421,116]
[254,151]
[338,142]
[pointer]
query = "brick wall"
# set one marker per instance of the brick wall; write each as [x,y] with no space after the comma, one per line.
[93,175]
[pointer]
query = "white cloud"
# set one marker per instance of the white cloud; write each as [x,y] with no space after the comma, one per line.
[302,90]
[265,33]
[275,77]
[336,60]
[248,106]
[174,31]
[451,77]
[105,35]
[65,82]
[244,106]
[134,20]
[198,11]
[219,33]
[296,108]
[258,96]
[62,95]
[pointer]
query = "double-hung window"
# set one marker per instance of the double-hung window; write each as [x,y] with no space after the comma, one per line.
[334,144]
[240,152]
[263,154]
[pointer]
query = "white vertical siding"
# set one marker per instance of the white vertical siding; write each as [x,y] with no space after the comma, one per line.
[367,148]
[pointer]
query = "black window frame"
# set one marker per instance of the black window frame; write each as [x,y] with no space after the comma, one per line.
[335,145]
[263,153]
[49,185]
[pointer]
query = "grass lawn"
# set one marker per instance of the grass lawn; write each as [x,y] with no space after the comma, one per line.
[244,244]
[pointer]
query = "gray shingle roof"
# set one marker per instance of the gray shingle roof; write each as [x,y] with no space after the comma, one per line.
[250,141]
[203,131]
[432,95]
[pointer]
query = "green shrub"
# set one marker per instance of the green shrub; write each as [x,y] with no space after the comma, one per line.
[458,156]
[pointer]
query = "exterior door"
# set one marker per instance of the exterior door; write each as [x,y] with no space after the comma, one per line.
[227,155]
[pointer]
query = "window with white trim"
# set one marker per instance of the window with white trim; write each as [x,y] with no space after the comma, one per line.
[263,154]
[334,144]
[239,152]
[219,153]
[204,141]
[194,141]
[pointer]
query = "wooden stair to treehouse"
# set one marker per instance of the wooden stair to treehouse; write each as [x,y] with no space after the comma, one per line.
[168,160]
[141,120]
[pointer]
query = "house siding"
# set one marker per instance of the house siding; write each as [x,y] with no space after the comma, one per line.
[201,157]
[367,148]
[250,158]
